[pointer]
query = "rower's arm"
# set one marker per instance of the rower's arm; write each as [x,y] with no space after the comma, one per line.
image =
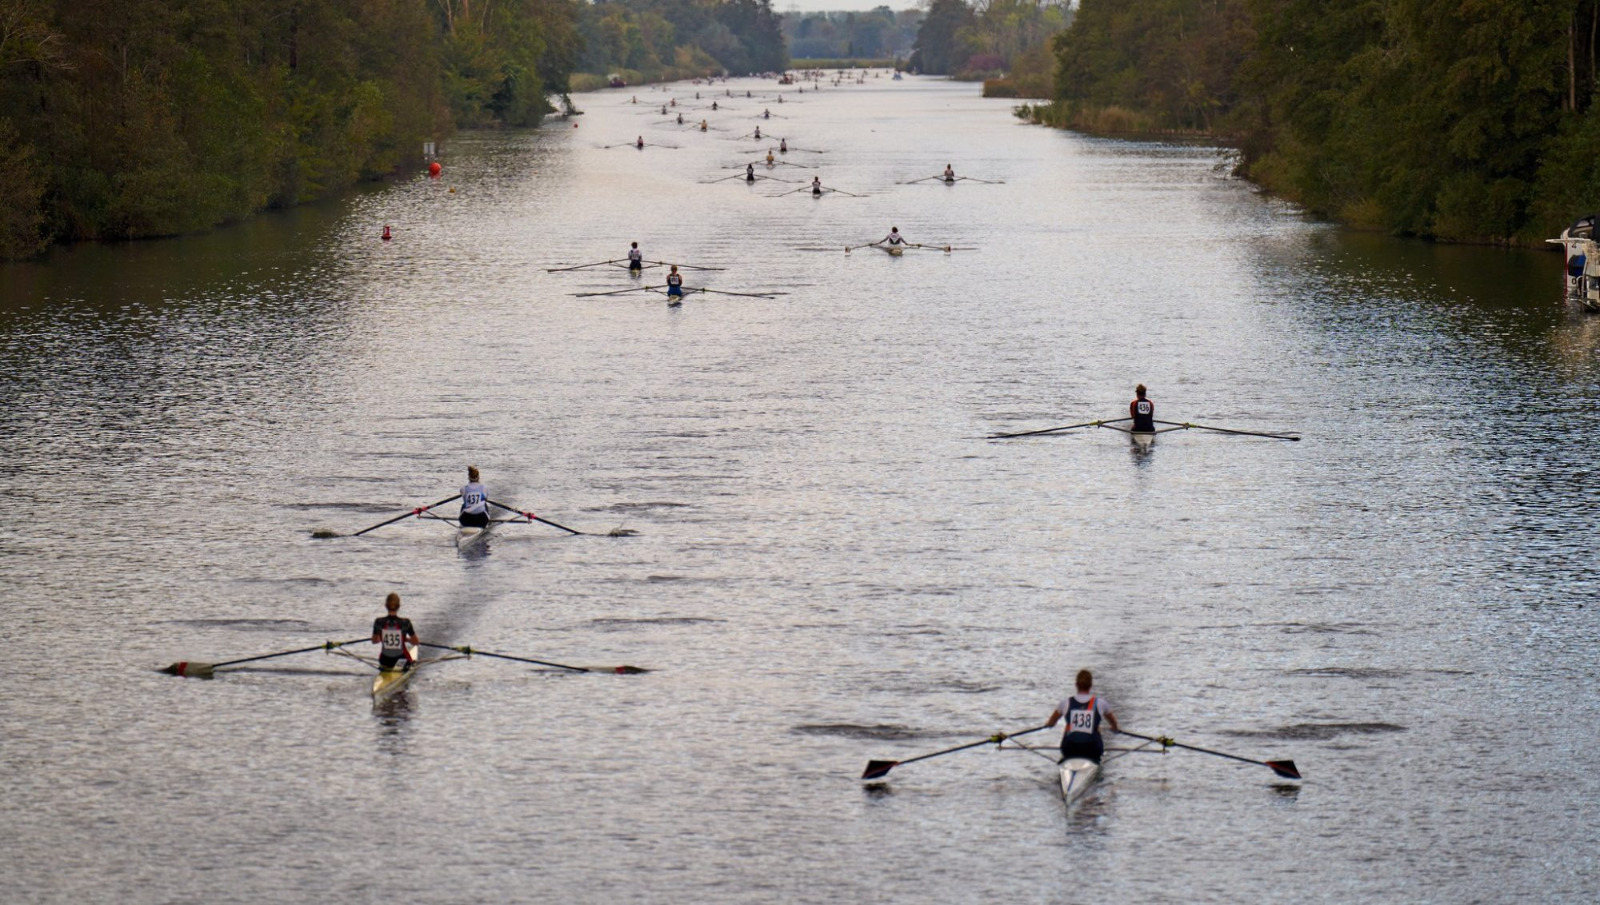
[1112,719]
[1055,717]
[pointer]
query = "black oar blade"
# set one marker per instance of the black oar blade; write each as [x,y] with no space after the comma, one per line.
[1284,768]
[876,769]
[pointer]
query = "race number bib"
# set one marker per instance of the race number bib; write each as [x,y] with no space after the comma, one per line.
[1081,721]
[473,499]
[394,640]
[1145,407]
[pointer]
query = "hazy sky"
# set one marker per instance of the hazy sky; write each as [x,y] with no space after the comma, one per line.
[822,6]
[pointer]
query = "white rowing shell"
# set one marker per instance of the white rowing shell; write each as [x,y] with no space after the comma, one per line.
[1076,775]
[468,537]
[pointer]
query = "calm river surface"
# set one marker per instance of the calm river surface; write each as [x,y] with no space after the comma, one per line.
[830,565]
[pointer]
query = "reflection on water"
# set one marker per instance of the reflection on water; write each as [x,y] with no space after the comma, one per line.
[821,540]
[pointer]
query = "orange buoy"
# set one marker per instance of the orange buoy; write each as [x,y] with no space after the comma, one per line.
[434,169]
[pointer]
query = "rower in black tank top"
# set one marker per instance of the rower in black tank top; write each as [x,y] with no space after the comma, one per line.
[1143,411]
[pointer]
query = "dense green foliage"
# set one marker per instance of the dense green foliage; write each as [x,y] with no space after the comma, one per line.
[132,118]
[992,38]
[1467,120]
[652,40]
[876,35]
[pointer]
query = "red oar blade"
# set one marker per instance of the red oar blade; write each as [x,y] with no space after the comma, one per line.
[879,768]
[1284,768]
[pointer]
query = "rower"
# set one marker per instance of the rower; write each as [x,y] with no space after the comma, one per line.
[674,102]
[713,106]
[1084,712]
[949,174]
[749,172]
[680,119]
[674,286]
[635,258]
[1143,412]
[758,133]
[816,185]
[783,146]
[474,502]
[770,159]
[394,632]
[702,125]
[894,239]
[640,143]
[663,109]
[766,114]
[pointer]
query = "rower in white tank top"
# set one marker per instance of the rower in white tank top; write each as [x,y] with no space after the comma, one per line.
[474,501]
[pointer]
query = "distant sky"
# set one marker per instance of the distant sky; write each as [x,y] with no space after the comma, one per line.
[826,6]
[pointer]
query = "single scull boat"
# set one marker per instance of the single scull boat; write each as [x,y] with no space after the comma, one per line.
[390,682]
[1077,773]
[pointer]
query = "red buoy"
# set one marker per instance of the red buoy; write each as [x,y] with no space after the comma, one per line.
[386,236]
[434,169]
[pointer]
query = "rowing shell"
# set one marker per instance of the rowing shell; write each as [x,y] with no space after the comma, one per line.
[1142,439]
[468,536]
[389,682]
[895,251]
[1077,773]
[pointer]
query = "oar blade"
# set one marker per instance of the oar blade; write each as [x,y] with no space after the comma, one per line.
[190,670]
[1284,768]
[877,769]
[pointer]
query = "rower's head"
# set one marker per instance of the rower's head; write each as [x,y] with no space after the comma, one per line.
[894,229]
[634,244]
[674,268]
[392,602]
[1139,391]
[1085,680]
[472,473]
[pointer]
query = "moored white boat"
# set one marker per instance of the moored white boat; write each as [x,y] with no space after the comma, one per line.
[1077,773]
[1582,261]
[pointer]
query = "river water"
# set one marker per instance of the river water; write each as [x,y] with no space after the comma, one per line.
[830,564]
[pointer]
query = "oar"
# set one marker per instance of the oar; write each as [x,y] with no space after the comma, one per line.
[1284,768]
[1229,430]
[685,266]
[850,248]
[1051,430]
[586,295]
[748,295]
[204,670]
[582,266]
[474,652]
[534,518]
[415,512]
[879,768]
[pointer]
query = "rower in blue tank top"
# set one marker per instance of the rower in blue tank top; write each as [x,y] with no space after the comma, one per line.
[675,284]
[1084,712]
[474,501]
[1143,411]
